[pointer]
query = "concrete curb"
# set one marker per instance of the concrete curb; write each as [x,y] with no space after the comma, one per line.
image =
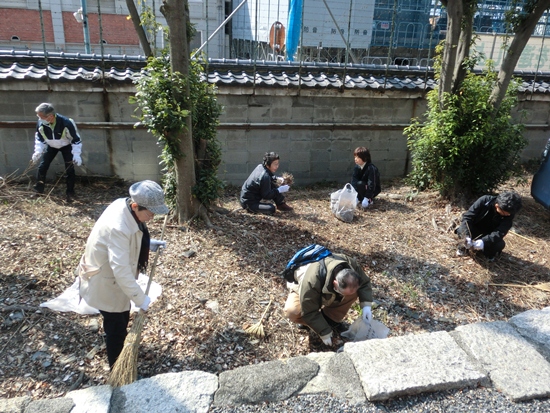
[511,356]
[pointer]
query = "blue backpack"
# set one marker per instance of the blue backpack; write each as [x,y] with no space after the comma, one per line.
[306,255]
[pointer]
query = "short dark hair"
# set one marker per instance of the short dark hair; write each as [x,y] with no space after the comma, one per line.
[141,208]
[347,278]
[509,202]
[269,157]
[362,153]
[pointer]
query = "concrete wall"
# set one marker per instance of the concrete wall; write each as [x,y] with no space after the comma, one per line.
[314,131]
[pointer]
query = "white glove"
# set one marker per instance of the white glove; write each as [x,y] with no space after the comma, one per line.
[154,244]
[469,243]
[39,149]
[77,160]
[280,180]
[327,339]
[367,313]
[146,303]
[478,244]
[365,203]
[283,188]
[36,157]
[76,150]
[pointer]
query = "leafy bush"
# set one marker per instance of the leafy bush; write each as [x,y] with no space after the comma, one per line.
[163,112]
[465,149]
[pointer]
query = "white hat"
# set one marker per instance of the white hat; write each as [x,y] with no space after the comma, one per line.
[150,195]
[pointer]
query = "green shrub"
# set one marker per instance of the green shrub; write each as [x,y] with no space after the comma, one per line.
[159,97]
[465,149]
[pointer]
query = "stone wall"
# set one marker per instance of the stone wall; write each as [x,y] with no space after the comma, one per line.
[314,131]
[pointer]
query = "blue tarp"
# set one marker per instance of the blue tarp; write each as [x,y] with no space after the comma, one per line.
[540,187]
[294,27]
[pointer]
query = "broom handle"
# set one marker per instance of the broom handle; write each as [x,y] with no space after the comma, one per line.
[265,311]
[156,257]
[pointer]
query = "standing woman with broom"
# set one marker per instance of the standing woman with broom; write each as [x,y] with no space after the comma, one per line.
[117,250]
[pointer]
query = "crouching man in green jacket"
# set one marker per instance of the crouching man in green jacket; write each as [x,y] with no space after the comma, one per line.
[325,291]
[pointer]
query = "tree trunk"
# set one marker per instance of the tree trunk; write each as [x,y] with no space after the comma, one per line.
[464,44]
[176,13]
[455,12]
[513,53]
[136,20]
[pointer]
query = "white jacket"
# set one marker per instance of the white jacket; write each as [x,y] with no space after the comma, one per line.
[108,268]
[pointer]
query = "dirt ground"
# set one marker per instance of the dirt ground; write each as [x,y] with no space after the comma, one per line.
[218,281]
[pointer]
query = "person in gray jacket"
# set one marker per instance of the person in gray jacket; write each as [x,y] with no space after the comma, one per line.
[117,250]
[262,184]
[325,291]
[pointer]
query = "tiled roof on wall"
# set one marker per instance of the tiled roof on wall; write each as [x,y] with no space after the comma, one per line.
[241,73]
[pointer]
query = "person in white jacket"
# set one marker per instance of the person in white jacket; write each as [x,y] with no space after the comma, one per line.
[55,133]
[117,249]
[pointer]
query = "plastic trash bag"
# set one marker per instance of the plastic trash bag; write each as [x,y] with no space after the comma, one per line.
[69,300]
[363,330]
[344,202]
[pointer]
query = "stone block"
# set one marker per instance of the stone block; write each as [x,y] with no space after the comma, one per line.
[270,381]
[337,376]
[534,325]
[190,391]
[412,364]
[514,365]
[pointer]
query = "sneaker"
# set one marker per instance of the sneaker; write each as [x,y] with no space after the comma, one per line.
[39,187]
[70,197]
[339,327]
[461,251]
[284,207]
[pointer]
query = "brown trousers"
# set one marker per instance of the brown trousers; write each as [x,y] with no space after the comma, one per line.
[336,311]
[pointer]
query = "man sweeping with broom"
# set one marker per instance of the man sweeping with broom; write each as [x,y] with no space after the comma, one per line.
[117,250]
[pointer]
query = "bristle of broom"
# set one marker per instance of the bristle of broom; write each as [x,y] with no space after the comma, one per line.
[256,330]
[125,368]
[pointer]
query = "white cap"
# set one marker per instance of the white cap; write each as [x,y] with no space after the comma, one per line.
[150,195]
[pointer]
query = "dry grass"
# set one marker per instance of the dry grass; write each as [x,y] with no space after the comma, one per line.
[217,280]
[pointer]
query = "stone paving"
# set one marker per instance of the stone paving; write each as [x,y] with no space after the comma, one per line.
[512,357]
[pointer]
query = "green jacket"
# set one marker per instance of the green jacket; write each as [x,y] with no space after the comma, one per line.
[316,289]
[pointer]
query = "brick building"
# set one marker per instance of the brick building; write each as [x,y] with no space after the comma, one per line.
[23,22]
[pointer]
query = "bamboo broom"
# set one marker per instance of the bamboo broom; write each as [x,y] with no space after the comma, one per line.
[125,368]
[257,329]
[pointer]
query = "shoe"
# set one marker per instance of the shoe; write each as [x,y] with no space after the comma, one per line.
[39,187]
[461,251]
[70,197]
[339,327]
[284,207]
[302,326]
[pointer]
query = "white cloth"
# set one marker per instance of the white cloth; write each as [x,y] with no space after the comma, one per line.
[69,300]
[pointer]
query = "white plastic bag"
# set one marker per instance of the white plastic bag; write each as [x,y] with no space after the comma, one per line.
[343,203]
[69,300]
[363,330]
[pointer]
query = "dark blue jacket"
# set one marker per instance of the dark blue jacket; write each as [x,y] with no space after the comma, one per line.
[64,132]
[259,185]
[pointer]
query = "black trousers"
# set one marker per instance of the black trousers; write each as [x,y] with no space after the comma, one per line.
[47,159]
[264,207]
[490,249]
[116,329]
[361,188]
